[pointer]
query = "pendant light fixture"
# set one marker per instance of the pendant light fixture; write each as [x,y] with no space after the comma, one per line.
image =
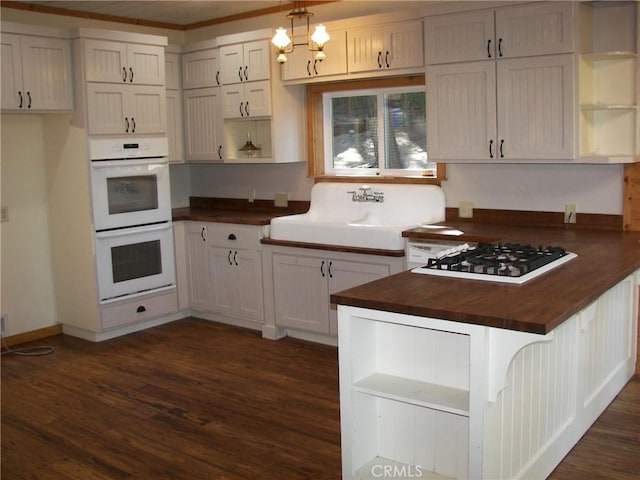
[285,45]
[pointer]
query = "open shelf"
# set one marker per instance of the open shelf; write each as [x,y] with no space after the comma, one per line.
[423,394]
[381,467]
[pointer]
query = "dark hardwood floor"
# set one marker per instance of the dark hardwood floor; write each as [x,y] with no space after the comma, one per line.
[197,400]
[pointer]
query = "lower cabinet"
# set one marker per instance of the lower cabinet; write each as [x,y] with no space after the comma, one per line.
[224,270]
[298,283]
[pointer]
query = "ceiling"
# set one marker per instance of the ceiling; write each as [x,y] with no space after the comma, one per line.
[181,14]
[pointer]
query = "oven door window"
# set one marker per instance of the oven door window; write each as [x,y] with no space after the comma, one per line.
[132,194]
[137,260]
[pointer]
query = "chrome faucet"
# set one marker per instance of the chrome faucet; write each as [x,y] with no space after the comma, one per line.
[365,195]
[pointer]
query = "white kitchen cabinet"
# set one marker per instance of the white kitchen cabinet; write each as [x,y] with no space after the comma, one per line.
[244,100]
[200,69]
[174,105]
[508,32]
[298,283]
[175,137]
[245,62]
[511,109]
[36,73]
[202,125]
[121,62]
[236,283]
[172,68]
[224,268]
[126,109]
[442,399]
[302,64]
[382,48]
[198,266]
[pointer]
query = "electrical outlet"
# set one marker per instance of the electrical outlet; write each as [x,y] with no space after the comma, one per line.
[3,323]
[252,195]
[465,210]
[4,213]
[281,200]
[570,213]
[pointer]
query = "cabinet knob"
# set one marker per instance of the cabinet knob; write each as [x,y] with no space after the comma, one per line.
[246,108]
[246,72]
[202,234]
[379,59]
[501,151]
[133,125]
[229,258]
[235,258]
[20,97]
[141,309]
[124,74]
[330,272]
[28,99]
[126,128]
[241,112]
[322,269]
[232,236]
[308,67]
[218,77]
[240,73]
[386,59]
[489,48]
[220,152]
[499,47]
[490,148]
[315,67]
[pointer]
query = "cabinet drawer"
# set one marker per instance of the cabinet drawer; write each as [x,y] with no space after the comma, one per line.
[139,309]
[231,235]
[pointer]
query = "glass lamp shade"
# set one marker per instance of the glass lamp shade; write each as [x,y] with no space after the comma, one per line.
[320,35]
[281,40]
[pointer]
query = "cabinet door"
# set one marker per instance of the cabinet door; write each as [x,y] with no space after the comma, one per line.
[459,37]
[461,111]
[251,99]
[404,45]
[106,107]
[197,266]
[174,126]
[538,29]
[148,109]
[257,60]
[536,107]
[202,124]
[223,281]
[200,69]
[47,73]
[145,64]
[335,62]
[231,64]
[172,71]
[13,95]
[105,61]
[343,275]
[366,49]
[301,294]
[298,64]
[248,285]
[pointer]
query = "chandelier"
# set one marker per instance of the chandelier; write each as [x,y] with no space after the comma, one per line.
[285,45]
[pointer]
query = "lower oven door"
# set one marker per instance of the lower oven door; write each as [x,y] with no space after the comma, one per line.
[134,261]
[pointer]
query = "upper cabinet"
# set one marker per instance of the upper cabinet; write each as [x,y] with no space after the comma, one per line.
[537,29]
[201,69]
[119,62]
[174,104]
[245,62]
[381,48]
[122,82]
[36,73]
[302,64]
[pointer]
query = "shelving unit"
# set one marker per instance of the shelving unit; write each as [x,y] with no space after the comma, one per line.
[408,383]
[608,105]
[238,131]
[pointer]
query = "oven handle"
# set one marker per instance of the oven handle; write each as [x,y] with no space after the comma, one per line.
[127,162]
[132,231]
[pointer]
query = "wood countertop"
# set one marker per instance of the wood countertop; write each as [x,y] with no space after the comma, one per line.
[537,306]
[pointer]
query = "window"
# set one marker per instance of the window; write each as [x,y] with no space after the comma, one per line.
[375,129]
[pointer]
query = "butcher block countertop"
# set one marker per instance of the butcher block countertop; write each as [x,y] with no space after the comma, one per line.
[538,306]
[240,211]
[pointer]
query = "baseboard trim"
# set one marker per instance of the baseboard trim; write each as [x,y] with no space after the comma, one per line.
[32,335]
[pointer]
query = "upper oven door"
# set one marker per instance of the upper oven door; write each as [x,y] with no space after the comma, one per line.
[130,192]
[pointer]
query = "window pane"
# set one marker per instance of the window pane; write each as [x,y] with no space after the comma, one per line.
[405,131]
[355,132]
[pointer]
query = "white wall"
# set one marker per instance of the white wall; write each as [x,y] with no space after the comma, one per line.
[27,288]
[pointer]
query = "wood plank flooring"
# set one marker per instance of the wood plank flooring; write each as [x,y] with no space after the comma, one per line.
[198,400]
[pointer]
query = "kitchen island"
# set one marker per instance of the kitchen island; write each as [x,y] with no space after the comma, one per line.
[452,378]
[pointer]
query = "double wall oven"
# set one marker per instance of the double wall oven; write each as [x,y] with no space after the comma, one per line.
[132,217]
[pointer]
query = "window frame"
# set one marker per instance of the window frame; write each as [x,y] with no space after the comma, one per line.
[315,131]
